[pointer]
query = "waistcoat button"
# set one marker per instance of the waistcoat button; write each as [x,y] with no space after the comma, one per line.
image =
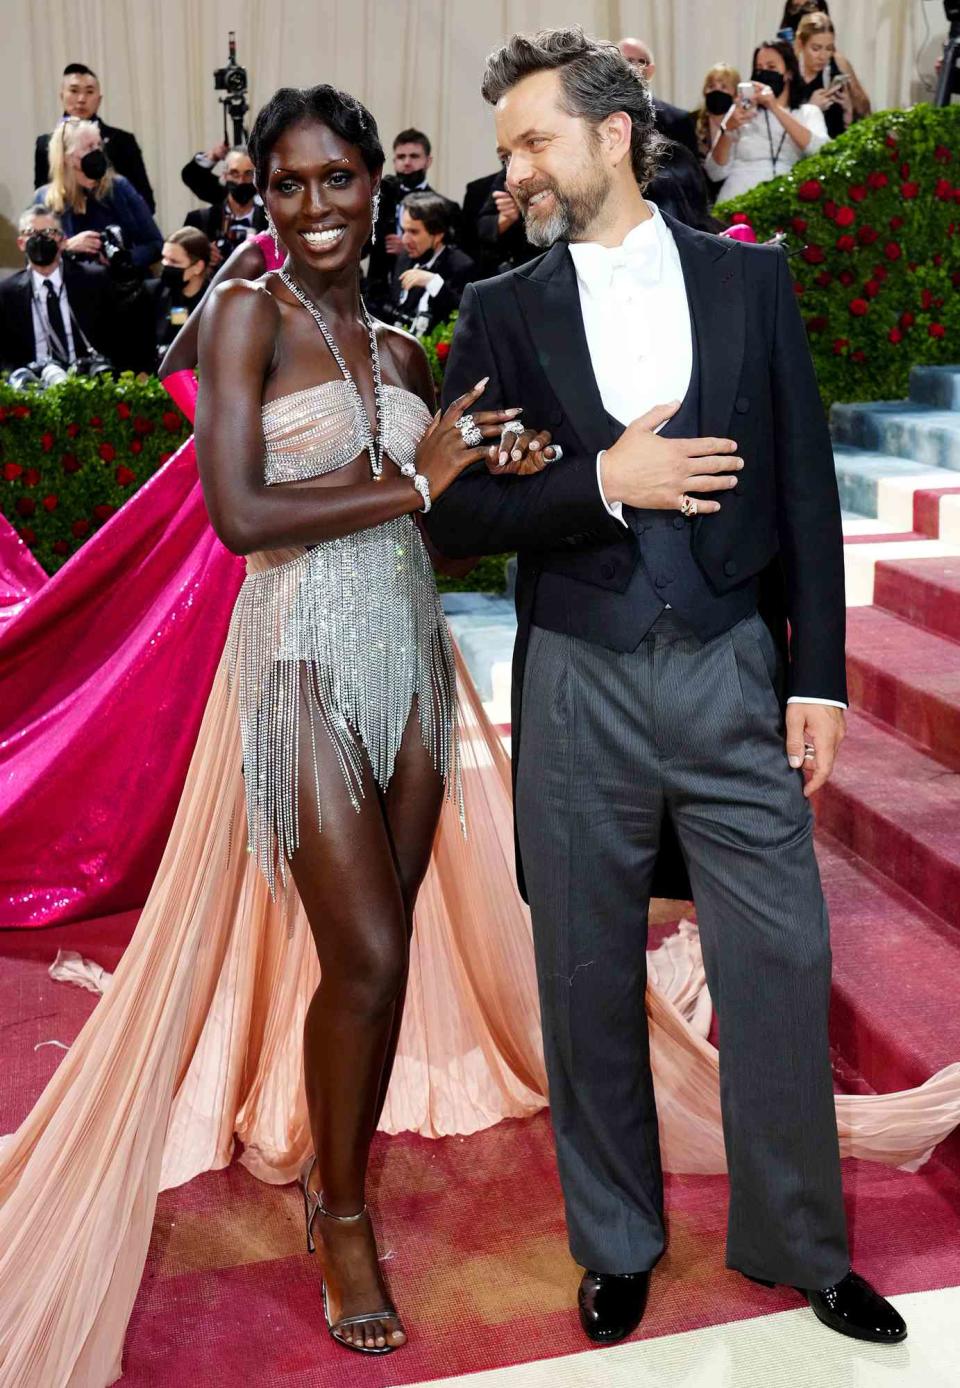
[607,570]
[730,567]
[741,404]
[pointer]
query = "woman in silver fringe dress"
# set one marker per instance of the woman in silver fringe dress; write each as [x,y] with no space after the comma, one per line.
[317,446]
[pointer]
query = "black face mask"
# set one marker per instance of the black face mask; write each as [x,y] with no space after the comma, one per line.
[94,164]
[412,178]
[42,248]
[774,80]
[242,193]
[171,277]
[718,103]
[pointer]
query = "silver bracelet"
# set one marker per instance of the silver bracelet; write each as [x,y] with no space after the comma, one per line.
[423,487]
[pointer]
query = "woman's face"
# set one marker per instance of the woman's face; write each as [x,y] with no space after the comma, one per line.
[175,254]
[319,193]
[720,82]
[83,144]
[818,50]
[769,59]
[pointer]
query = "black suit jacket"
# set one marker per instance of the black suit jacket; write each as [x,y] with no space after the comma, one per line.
[474,198]
[121,149]
[92,303]
[203,183]
[676,124]
[209,220]
[381,264]
[757,386]
[457,270]
[500,252]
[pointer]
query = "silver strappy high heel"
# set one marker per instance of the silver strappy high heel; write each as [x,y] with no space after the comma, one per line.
[313,1205]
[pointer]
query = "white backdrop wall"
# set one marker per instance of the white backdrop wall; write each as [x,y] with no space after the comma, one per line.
[413,62]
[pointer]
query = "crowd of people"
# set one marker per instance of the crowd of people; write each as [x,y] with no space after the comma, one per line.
[101,281]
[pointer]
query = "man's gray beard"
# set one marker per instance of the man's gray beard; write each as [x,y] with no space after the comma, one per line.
[572,215]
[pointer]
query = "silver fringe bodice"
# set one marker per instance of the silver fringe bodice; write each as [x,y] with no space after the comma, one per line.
[351,629]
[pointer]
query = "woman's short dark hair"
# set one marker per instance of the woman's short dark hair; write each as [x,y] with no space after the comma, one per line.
[194,242]
[792,65]
[339,111]
[595,81]
[430,209]
[793,9]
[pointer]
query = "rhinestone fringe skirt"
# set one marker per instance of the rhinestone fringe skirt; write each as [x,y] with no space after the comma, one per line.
[353,629]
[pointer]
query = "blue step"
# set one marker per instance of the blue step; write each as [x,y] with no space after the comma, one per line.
[858,472]
[938,387]
[484,626]
[900,429]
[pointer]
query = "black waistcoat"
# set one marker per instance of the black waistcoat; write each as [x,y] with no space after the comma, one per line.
[665,572]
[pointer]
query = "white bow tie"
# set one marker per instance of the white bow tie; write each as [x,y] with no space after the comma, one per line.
[596,265]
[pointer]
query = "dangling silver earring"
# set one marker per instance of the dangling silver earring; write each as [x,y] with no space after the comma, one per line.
[375,213]
[273,232]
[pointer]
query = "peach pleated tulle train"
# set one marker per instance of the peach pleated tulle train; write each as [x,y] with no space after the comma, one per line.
[197,1043]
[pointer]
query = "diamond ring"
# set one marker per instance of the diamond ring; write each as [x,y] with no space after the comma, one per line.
[469,430]
[513,426]
[688,506]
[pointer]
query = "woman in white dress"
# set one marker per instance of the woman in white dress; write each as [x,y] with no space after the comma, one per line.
[765,138]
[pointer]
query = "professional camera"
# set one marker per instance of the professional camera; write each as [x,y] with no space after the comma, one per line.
[41,375]
[232,79]
[93,364]
[118,258]
[234,236]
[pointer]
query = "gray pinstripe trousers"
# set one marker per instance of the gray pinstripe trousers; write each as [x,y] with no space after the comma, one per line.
[611,742]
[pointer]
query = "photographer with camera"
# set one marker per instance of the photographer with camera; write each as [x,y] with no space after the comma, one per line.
[429,276]
[104,217]
[80,96]
[58,311]
[184,277]
[236,216]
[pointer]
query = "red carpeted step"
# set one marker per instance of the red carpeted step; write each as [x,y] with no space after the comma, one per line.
[924,591]
[891,1018]
[906,677]
[897,808]
[926,509]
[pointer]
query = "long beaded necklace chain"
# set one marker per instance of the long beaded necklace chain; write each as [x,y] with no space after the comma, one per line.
[375,446]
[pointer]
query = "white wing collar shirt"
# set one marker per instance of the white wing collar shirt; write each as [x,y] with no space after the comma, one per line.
[636,318]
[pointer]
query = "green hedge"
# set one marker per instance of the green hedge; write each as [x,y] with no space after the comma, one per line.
[877,213]
[72,455]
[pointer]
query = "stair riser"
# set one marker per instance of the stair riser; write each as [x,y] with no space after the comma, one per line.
[911,864]
[932,722]
[935,387]
[918,600]
[928,444]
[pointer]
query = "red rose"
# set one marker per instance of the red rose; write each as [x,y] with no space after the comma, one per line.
[880,272]
[859,355]
[50,503]
[125,476]
[890,141]
[942,154]
[857,192]
[937,330]
[824,279]
[845,217]
[858,307]
[938,259]
[12,471]
[164,458]
[895,335]
[926,298]
[846,277]
[798,289]
[817,324]
[904,170]
[3,414]
[838,345]
[830,208]
[95,422]
[810,191]
[814,255]
[104,511]
[872,289]
[955,279]
[740,219]
[799,225]
[866,236]
[80,528]
[136,446]
[896,223]
[907,320]
[107,452]
[876,179]
[73,430]
[943,189]
[443,351]
[171,421]
[70,462]
[27,534]
[46,442]
[892,251]
[31,477]
[909,190]
[142,425]
[845,243]
[123,409]
[60,547]
[20,412]
[26,506]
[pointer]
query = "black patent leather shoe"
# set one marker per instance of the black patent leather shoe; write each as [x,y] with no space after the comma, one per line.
[611,1304]
[853,1308]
